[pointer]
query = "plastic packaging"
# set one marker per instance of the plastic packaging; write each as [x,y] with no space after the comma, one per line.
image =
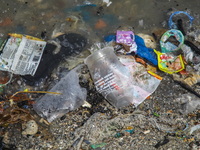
[172,24]
[110,38]
[194,128]
[110,77]
[169,47]
[170,64]
[143,83]
[54,106]
[189,103]
[127,37]
[188,53]
[145,52]
[148,40]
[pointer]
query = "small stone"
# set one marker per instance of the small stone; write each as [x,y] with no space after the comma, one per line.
[146,132]
[19,82]
[31,128]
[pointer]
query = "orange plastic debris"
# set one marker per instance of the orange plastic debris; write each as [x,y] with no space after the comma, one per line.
[100,24]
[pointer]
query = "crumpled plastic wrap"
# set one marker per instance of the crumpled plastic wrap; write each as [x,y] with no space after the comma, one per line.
[189,103]
[54,106]
[143,83]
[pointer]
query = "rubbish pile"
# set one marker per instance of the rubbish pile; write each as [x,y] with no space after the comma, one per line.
[126,69]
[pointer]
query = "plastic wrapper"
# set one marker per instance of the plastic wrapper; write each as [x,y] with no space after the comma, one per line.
[144,84]
[188,54]
[148,40]
[145,52]
[197,127]
[170,64]
[110,77]
[175,44]
[54,106]
[127,38]
[189,103]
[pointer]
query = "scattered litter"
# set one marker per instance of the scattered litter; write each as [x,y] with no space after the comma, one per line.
[141,23]
[22,54]
[86,104]
[180,137]
[118,135]
[188,54]
[189,102]
[127,38]
[108,2]
[73,96]
[146,132]
[31,128]
[172,24]
[143,83]
[171,42]
[110,77]
[197,127]
[148,40]
[97,145]
[170,64]
[155,114]
[14,114]
[160,143]
[144,52]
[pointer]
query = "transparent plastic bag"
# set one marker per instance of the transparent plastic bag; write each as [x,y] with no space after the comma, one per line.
[54,106]
[189,103]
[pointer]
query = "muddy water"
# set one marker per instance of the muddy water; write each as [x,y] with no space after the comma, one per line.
[32,17]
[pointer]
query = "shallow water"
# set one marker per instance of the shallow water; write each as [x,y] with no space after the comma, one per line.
[80,16]
[32,17]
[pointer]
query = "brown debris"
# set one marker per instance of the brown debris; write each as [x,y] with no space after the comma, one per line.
[15,114]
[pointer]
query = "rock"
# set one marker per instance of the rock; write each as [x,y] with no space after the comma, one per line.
[31,128]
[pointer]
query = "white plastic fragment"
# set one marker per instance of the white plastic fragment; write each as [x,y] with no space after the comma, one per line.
[146,132]
[195,128]
[86,104]
[141,22]
[108,2]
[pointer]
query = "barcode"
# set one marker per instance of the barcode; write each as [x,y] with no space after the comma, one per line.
[36,58]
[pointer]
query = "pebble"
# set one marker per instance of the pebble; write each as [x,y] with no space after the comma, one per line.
[31,128]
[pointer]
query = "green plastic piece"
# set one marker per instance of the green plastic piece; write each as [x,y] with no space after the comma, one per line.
[157,115]
[97,145]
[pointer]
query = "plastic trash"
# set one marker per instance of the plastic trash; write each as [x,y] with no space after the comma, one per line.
[127,38]
[110,77]
[172,41]
[160,143]
[148,40]
[189,103]
[54,106]
[97,145]
[108,2]
[197,127]
[172,24]
[143,83]
[69,44]
[188,53]
[170,64]
[145,52]
[110,38]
